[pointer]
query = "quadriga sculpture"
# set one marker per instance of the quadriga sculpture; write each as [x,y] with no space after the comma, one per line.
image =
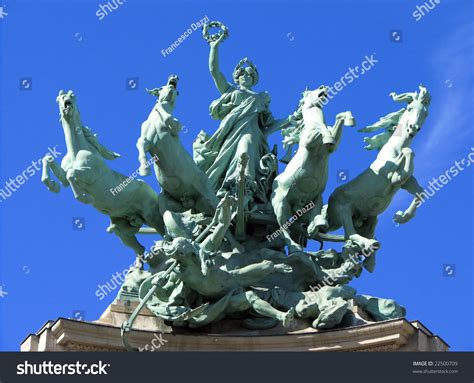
[304,178]
[357,204]
[129,203]
[175,170]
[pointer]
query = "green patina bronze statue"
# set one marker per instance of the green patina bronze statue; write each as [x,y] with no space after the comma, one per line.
[305,176]
[246,121]
[183,183]
[225,215]
[84,169]
[357,204]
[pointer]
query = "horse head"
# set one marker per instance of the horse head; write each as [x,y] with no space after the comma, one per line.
[403,124]
[310,117]
[67,105]
[315,97]
[168,93]
[415,114]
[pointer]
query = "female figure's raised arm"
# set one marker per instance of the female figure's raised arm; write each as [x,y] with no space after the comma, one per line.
[219,78]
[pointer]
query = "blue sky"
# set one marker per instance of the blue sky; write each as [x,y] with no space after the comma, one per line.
[48,269]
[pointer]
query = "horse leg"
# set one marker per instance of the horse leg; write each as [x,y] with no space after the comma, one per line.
[72,176]
[52,185]
[143,146]
[368,231]
[318,218]
[126,232]
[404,167]
[409,165]
[413,187]
[344,118]
[283,212]
[344,213]
[152,216]
[59,172]
[368,227]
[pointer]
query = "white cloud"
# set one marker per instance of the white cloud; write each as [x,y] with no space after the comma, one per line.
[448,131]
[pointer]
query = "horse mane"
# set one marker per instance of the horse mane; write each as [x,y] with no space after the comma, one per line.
[102,150]
[388,124]
[293,133]
[88,134]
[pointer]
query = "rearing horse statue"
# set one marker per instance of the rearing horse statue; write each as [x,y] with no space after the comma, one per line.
[185,186]
[304,179]
[356,204]
[128,202]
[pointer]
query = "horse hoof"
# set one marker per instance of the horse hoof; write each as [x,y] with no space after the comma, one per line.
[367,246]
[52,186]
[55,188]
[374,245]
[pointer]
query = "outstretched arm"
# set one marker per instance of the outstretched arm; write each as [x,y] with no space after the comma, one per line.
[404,97]
[219,78]
[277,125]
[413,187]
